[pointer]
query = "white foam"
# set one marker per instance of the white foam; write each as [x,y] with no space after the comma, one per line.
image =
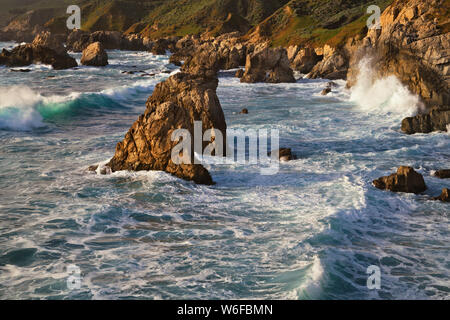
[385,95]
[18,107]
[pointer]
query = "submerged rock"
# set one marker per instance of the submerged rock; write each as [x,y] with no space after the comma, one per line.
[443,174]
[444,197]
[437,119]
[405,180]
[284,154]
[175,104]
[27,54]
[268,65]
[244,111]
[326,91]
[94,55]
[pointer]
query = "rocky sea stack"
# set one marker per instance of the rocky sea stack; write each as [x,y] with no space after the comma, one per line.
[175,104]
[405,180]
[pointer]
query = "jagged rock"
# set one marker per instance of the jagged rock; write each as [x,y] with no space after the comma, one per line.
[133,42]
[305,60]
[443,174]
[444,197]
[239,74]
[109,39]
[49,40]
[334,65]
[77,40]
[438,119]
[27,54]
[94,55]
[405,180]
[413,45]
[175,104]
[160,47]
[176,60]
[268,65]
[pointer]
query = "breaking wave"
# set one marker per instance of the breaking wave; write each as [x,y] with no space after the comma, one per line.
[382,95]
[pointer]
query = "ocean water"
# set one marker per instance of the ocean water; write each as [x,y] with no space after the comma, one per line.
[308,232]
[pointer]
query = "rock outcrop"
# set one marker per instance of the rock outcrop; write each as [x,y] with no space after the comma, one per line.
[79,40]
[175,104]
[27,54]
[405,180]
[335,62]
[49,40]
[94,55]
[268,65]
[444,197]
[303,59]
[438,119]
[413,44]
[443,174]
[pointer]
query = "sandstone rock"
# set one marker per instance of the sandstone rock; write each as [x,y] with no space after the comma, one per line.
[268,65]
[414,48]
[77,40]
[27,54]
[437,119]
[239,74]
[175,104]
[445,196]
[49,40]
[443,174]
[405,180]
[160,47]
[305,60]
[326,91]
[334,65]
[94,55]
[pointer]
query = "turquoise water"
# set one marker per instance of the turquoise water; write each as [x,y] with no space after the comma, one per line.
[309,232]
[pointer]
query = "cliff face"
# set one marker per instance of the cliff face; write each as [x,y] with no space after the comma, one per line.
[414,45]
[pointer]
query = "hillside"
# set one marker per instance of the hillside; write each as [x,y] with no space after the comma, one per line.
[316,21]
[284,22]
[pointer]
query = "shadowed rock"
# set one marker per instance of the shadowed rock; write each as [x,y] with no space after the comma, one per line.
[27,54]
[268,65]
[405,180]
[443,174]
[438,119]
[284,154]
[444,197]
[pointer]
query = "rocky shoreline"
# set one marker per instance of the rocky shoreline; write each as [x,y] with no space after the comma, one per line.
[410,45]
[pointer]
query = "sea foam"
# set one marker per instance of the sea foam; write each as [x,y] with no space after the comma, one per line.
[382,95]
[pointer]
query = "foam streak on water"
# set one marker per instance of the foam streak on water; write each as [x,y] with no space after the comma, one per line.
[309,232]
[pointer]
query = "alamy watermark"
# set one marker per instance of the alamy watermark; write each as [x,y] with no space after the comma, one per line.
[374,279]
[74,21]
[374,21]
[74,279]
[216,153]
